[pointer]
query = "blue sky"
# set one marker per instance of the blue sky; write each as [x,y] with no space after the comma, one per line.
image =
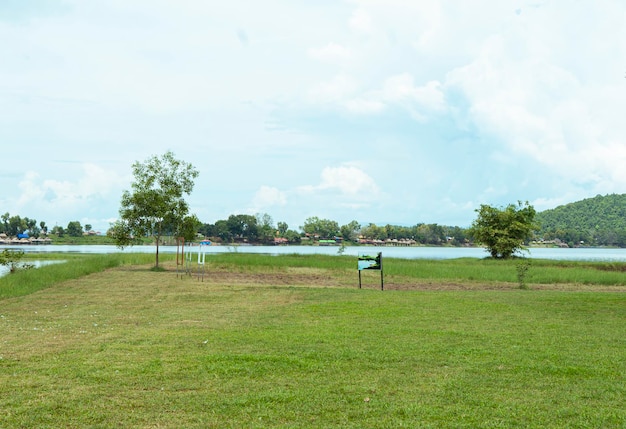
[384,111]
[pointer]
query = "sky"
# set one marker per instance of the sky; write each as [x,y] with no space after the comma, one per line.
[381,111]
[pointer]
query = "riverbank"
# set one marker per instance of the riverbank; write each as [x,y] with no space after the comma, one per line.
[341,271]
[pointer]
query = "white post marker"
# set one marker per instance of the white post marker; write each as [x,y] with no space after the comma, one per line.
[204,245]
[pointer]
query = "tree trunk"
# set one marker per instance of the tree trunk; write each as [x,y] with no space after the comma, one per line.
[158,238]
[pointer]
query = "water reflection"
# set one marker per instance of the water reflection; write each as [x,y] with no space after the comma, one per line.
[36,264]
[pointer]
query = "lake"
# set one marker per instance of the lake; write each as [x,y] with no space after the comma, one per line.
[578,254]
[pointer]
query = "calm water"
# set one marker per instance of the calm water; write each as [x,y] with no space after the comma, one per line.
[4,270]
[581,254]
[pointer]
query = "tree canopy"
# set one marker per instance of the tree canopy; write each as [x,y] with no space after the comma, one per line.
[600,220]
[323,228]
[156,206]
[504,230]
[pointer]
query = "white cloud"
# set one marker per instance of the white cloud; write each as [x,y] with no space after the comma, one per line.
[524,88]
[364,106]
[267,197]
[422,102]
[337,90]
[332,52]
[401,89]
[360,21]
[95,182]
[347,180]
[49,198]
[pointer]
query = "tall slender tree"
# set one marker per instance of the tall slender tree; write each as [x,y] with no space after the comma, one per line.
[156,205]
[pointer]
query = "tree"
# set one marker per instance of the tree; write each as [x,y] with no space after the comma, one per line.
[16,225]
[189,227]
[350,231]
[31,225]
[323,228]
[74,229]
[503,230]
[374,232]
[266,228]
[221,230]
[156,204]
[5,222]
[243,227]
[282,228]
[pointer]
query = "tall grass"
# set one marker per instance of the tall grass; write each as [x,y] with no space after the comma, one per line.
[540,272]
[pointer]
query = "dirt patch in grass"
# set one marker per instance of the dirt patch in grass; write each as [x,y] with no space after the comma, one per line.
[276,279]
[327,279]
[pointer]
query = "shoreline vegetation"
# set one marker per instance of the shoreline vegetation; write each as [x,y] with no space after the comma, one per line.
[169,241]
[592,222]
[291,341]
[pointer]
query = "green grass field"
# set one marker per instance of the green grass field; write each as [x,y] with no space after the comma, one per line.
[291,342]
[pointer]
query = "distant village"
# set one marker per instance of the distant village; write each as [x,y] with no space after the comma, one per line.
[23,239]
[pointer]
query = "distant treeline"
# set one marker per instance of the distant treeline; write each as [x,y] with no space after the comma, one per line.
[598,221]
[261,229]
[15,225]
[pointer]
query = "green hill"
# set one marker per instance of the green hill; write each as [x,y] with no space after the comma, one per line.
[599,221]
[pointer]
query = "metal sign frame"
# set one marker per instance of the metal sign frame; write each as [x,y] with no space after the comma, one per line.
[371,262]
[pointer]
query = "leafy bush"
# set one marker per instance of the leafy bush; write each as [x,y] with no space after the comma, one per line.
[12,259]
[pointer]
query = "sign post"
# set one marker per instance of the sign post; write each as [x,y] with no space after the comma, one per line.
[371,262]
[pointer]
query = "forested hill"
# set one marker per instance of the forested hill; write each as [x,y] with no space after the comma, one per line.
[595,221]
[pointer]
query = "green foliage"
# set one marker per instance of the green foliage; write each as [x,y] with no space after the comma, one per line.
[243,227]
[266,228]
[188,228]
[74,229]
[84,240]
[429,234]
[350,231]
[14,225]
[503,230]
[322,228]
[12,259]
[595,221]
[156,206]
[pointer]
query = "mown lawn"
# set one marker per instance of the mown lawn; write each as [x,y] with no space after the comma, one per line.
[301,346]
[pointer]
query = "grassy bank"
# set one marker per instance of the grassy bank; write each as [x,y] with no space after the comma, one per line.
[25,282]
[266,342]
